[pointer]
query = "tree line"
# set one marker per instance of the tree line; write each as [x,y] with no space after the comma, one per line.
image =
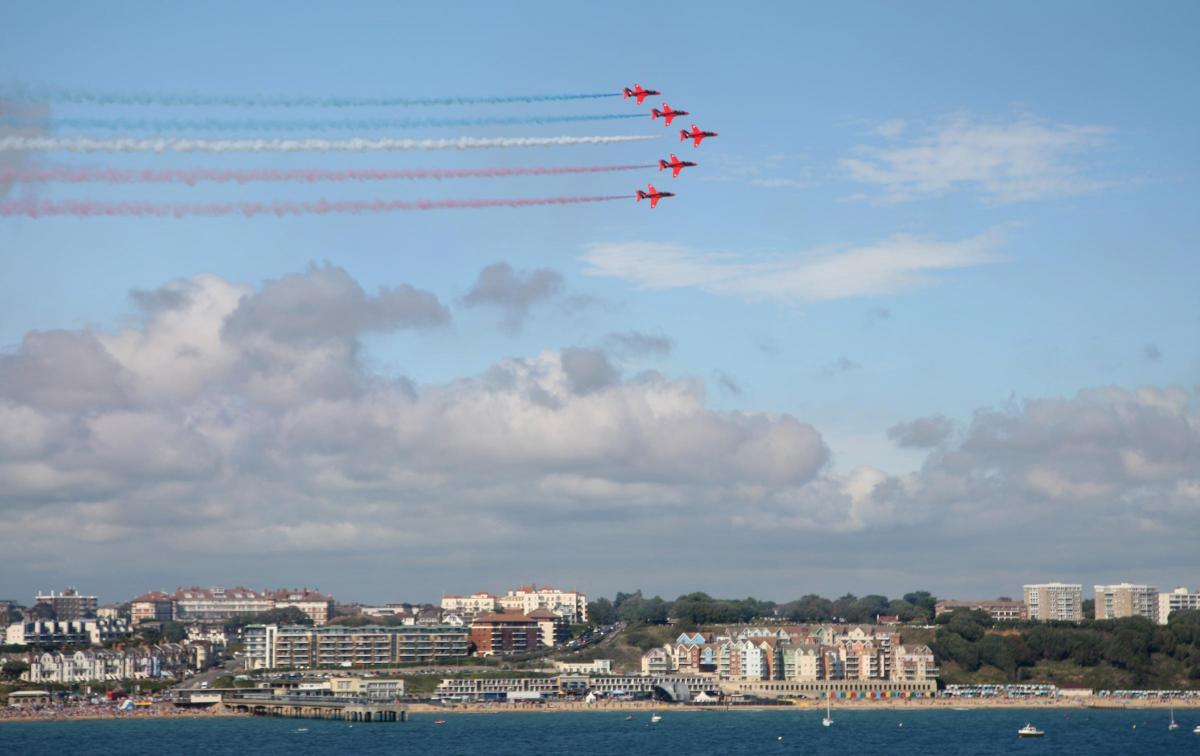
[1147,652]
[695,609]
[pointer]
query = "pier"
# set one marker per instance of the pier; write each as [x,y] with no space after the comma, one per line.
[316,707]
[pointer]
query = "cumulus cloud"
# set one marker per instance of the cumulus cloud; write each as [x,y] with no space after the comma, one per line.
[1002,161]
[513,292]
[260,449]
[892,265]
[232,421]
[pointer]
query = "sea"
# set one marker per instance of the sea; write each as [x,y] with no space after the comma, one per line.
[981,731]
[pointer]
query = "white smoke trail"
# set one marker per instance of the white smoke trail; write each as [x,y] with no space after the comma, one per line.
[163,144]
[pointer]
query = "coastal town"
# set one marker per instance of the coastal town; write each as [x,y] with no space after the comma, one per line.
[241,650]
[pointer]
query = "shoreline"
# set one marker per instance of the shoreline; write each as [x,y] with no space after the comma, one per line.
[632,707]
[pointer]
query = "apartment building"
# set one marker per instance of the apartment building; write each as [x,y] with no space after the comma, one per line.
[218,604]
[69,605]
[331,646]
[497,633]
[87,632]
[317,606]
[1061,602]
[571,605]
[1126,600]
[1178,600]
[469,606]
[152,607]
[1000,611]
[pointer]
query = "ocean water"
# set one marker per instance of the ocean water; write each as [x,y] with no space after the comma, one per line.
[928,733]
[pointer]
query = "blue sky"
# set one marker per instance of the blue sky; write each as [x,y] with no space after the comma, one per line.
[912,210]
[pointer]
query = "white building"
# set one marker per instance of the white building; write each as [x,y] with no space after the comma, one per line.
[477,603]
[88,632]
[1126,600]
[1178,600]
[571,605]
[1062,602]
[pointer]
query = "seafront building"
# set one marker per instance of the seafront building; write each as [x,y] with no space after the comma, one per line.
[1000,611]
[1178,600]
[331,646]
[502,633]
[1057,602]
[796,653]
[87,632]
[168,660]
[1126,600]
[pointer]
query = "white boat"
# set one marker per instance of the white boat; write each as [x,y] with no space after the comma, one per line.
[827,720]
[1196,729]
[655,718]
[1173,724]
[1029,731]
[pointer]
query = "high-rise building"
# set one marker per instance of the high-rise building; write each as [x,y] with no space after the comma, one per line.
[1062,602]
[69,605]
[1178,600]
[1126,600]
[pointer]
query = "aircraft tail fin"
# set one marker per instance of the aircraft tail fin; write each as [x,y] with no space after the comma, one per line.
[662,165]
[640,195]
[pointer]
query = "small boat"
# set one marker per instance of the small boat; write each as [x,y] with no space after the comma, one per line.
[1173,724]
[302,729]
[827,720]
[655,718]
[439,721]
[1029,731]
[1196,729]
[628,717]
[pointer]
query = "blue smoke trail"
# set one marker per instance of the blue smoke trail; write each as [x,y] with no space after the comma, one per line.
[362,124]
[276,101]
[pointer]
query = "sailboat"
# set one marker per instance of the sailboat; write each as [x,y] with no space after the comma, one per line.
[827,720]
[656,717]
[1173,725]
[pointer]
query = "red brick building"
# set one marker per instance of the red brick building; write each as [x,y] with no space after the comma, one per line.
[497,633]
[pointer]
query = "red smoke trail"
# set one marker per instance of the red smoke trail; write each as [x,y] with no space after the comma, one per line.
[85,209]
[194,176]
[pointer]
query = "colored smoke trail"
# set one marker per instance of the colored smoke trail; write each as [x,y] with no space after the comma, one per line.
[195,176]
[358,144]
[250,101]
[85,209]
[298,124]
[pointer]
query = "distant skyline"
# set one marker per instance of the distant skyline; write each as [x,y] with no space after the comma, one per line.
[923,317]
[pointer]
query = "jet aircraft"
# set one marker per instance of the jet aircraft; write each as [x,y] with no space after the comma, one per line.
[695,134]
[666,113]
[639,93]
[676,165]
[653,195]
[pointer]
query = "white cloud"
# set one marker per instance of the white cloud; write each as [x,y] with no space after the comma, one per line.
[892,265]
[1023,159]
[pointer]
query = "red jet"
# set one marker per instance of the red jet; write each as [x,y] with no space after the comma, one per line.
[696,134]
[653,195]
[666,113]
[676,165]
[640,93]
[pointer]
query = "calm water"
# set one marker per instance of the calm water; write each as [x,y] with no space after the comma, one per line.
[925,732]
